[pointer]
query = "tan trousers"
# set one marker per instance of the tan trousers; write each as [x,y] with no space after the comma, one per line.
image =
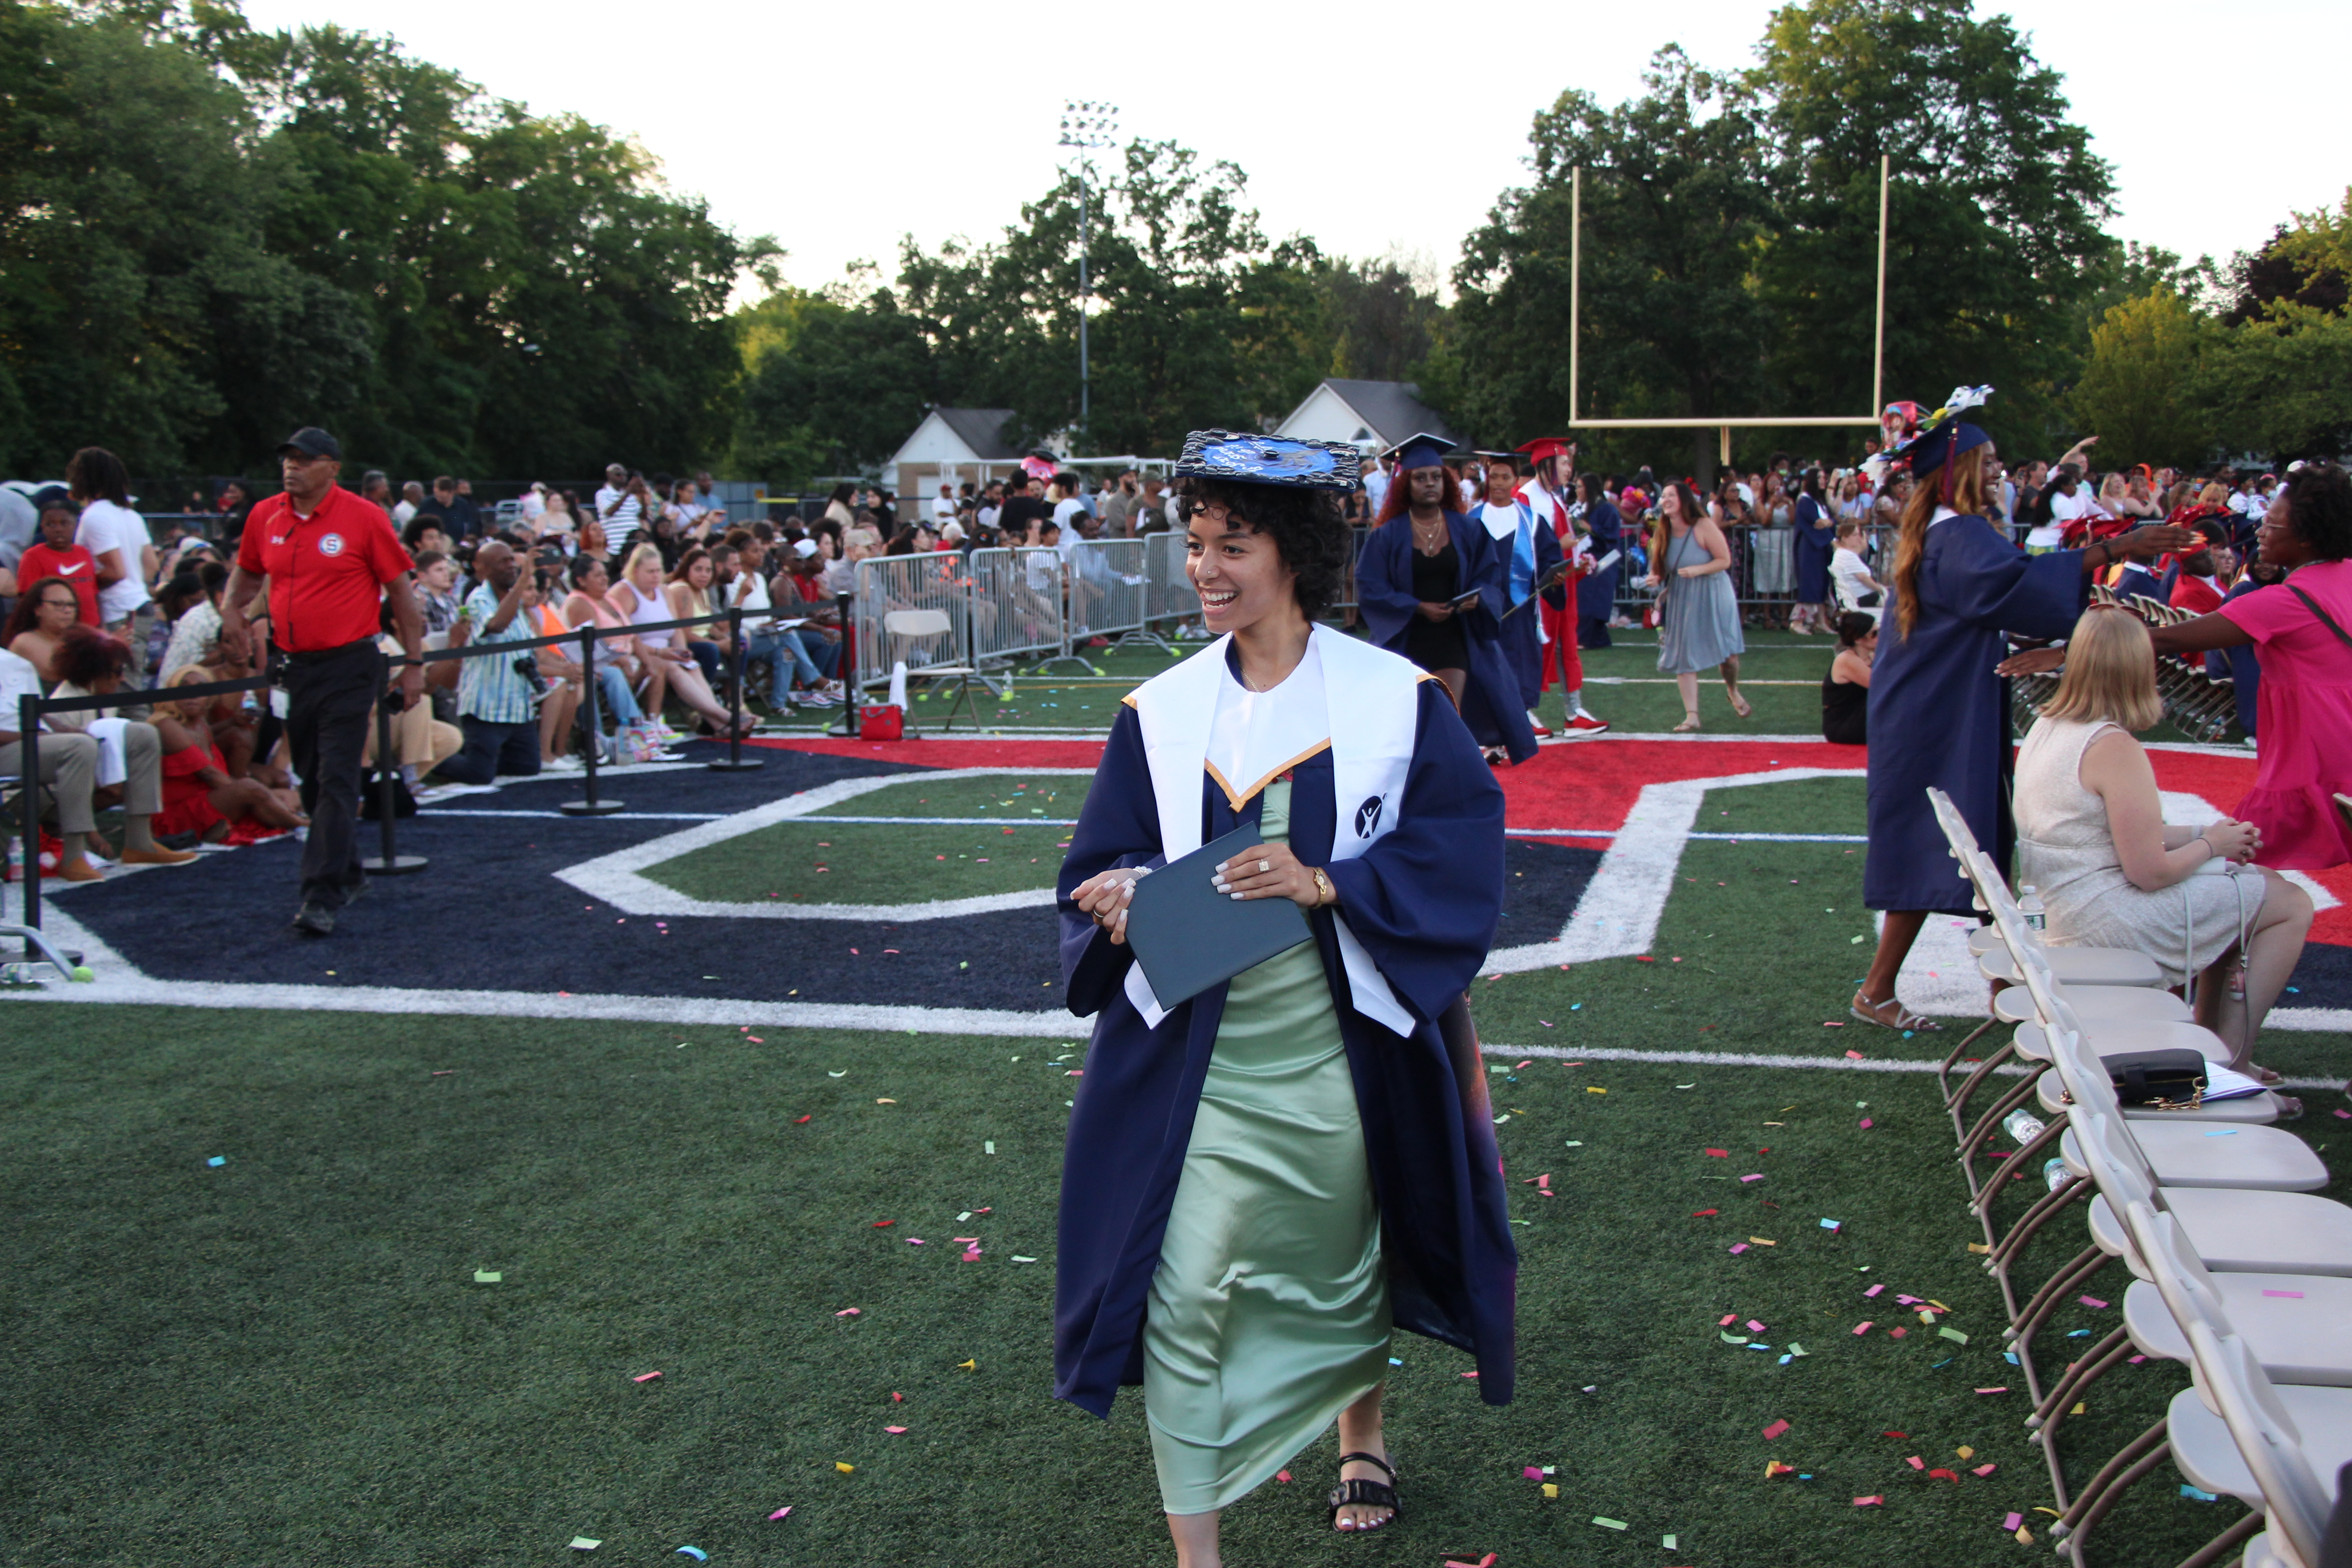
[70,770]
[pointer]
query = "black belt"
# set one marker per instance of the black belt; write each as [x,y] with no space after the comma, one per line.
[328,655]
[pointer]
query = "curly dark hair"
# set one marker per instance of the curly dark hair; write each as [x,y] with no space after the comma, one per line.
[87,655]
[1306,526]
[2320,509]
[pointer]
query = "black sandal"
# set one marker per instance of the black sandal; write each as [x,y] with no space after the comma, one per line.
[1362,1493]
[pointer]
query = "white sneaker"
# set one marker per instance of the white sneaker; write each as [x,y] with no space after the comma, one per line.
[563,765]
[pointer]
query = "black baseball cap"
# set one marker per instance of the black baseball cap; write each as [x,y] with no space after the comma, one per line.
[312,442]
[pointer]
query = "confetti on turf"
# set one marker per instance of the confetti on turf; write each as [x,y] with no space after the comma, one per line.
[1774,1469]
[844,1469]
[1757,1176]
[781,1513]
[1486,1562]
[1865,1123]
[894,1431]
[2091,1301]
[1775,1430]
[1833,1224]
[1609,1523]
[1861,1329]
[849,1313]
[1282,1476]
[1737,1247]
[1703,1214]
[1872,1502]
[1551,1489]
[645,1377]
[2012,1522]
[697,1553]
[1992,1391]
[972,1366]
[2197,1494]
[1874,1291]
[1984,1470]
[217,1160]
[1719,1154]
[581,1543]
[1943,1475]
[1948,1333]
[483,1276]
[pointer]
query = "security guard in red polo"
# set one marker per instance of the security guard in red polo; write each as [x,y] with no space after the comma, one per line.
[332,562]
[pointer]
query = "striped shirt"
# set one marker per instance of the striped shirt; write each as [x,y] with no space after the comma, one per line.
[489,688]
[620,519]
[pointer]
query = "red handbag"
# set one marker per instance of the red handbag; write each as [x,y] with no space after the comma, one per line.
[881,721]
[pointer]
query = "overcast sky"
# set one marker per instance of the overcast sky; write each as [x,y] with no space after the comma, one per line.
[838,128]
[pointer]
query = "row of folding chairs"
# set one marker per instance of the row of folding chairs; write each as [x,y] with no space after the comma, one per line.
[2237,1270]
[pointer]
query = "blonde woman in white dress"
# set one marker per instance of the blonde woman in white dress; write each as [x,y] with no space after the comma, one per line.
[2092,838]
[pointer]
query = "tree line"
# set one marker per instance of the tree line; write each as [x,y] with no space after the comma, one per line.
[210,234]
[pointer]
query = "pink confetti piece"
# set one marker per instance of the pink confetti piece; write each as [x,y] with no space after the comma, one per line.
[1908,1301]
[894,1431]
[1865,1123]
[1896,1333]
[2289,1295]
[645,1377]
[914,1241]
[2092,1302]
[1774,1430]
[1532,1473]
[1874,1291]
[1737,1247]
[1757,1177]
[1915,1461]
[1986,1470]
[1726,1319]
[1854,1055]
[1719,1154]
[781,1513]
[1487,1561]
[2012,1522]
[1470,1374]
[1861,1329]
[849,1312]
[1944,1475]
[2134,1361]
[2346,1115]
[1754,1327]
[1282,1476]
[1872,1502]
[444,1072]
[755,1039]
[1992,1391]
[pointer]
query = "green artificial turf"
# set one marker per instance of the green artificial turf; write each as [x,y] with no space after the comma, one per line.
[285,1360]
[895,863]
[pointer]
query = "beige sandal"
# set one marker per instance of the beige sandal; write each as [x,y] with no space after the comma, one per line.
[1689,723]
[1869,1012]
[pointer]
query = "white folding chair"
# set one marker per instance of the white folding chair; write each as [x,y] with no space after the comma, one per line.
[2276,1449]
[907,626]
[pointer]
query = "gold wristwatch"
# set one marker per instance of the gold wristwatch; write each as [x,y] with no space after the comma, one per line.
[1325,895]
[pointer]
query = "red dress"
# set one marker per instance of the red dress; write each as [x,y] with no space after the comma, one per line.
[187,799]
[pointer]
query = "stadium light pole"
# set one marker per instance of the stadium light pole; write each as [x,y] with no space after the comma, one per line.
[1085,126]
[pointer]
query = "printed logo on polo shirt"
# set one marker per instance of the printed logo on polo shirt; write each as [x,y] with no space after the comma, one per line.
[331,544]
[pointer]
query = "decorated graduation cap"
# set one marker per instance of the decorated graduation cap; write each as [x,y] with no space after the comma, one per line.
[1421,451]
[1249,460]
[1944,435]
[1547,447]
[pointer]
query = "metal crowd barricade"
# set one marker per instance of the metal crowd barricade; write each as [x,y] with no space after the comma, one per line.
[1168,593]
[1016,605]
[1110,591]
[892,584]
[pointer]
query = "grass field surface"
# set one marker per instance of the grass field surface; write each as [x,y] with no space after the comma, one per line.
[287,1358]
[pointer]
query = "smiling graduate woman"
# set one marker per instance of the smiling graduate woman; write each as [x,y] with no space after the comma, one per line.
[1264,1180]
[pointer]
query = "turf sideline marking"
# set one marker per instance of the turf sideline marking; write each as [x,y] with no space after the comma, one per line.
[617,878]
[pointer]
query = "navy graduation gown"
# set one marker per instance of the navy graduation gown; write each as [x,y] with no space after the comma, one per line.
[1384,597]
[1816,540]
[1423,900]
[1939,715]
[1522,633]
[1596,595]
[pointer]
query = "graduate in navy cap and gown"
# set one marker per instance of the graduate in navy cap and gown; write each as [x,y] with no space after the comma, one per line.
[1596,593]
[1532,569]
[1939,709]
[1421,559]
[1263,1181]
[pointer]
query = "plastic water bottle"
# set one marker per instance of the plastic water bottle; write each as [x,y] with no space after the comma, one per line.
[2022,1125]
[2028,906]
[2054,1174]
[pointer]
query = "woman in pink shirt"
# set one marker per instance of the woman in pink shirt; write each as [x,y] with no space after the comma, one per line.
[2301,629]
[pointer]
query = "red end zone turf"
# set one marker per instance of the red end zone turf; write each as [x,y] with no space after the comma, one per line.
[1594,783]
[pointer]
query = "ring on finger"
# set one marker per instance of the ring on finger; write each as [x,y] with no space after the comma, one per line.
[1264,867]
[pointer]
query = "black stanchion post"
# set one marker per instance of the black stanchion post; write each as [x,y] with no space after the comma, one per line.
[848,725]
[391,862]
[592,806]
[29,749]
[735,762]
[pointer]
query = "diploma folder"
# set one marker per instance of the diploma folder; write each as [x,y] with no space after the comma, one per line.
[1189,937]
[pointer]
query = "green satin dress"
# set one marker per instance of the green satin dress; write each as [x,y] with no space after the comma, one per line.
[1269,1312]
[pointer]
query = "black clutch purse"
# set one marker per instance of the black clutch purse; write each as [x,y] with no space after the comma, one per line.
[2168,1080]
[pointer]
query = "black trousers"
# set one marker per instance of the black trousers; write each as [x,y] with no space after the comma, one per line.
[492,750]
[329,698]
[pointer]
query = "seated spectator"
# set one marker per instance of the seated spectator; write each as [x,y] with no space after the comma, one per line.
[560,672]
[498,696]
[38,627]
[437,580]
[2090,836]
[2199,587]
[688,595]
[640,597]
[56,554]
[424,534]
[74,749]
[615,656]
[199,795]
[196,632]
[1849,575]
[1845,690]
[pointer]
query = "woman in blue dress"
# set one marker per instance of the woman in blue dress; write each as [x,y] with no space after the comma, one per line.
[1261,1181]
[1938,711]
[1699,627]
[1816,528]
